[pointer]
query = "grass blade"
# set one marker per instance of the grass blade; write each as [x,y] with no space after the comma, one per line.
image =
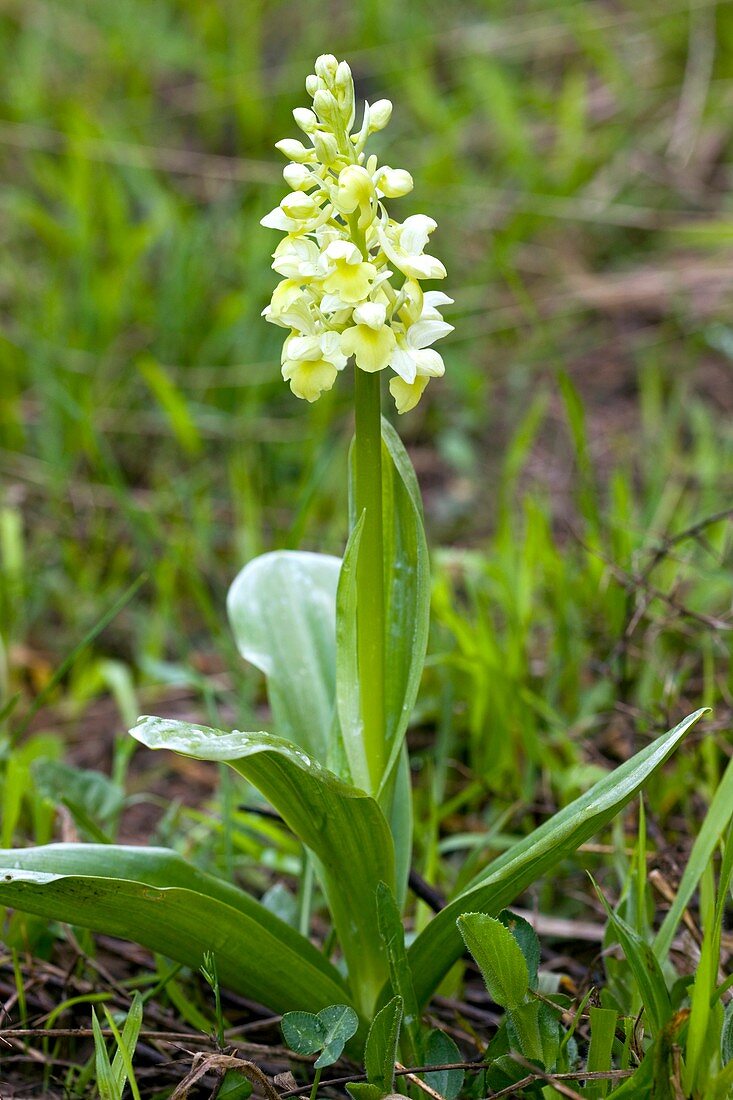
[712,829]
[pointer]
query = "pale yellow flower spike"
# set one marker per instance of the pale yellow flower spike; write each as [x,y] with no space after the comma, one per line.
[350,274]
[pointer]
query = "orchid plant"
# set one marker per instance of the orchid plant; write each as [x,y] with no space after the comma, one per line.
[341,642]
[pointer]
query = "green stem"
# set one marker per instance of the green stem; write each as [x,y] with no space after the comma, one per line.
[370,569]
[316,1083]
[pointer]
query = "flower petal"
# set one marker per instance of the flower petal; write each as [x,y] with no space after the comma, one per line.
[424,333]
[406,396]
[371,348]
[404,364]
[429,363]
[415,232]
[421,267]
[435,298]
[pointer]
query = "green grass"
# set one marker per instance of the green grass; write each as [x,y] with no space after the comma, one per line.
[577,159]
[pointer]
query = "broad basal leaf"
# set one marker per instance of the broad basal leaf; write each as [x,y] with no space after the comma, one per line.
[282,608]
[343,827]
[440,945]
[152,896]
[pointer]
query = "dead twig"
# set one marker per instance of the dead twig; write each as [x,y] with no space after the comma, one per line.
[220,1063]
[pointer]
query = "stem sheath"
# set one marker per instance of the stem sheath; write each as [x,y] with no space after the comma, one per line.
[370,569]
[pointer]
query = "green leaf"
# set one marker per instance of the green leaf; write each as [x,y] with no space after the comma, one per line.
[328,1031]
[653,1077]
[644,967]
[392,932]
[401,824]
[440,944]
[155,898]
[302,1032]
[107,1084]
[123,1057]
[440,1050]
[282,609]
[602,1035]
[90,797]
[173,403]
[342,826]
[726,1035]
[381,1047]
[711,830]
[503,1071]
[721,1086]
[529,945]
[499,958]
[550,1034]
[533,1030]
[362,1090]
[705,1022]
[347,663]
[234,1087]
[129,1037]
[340,1023]
[96,793]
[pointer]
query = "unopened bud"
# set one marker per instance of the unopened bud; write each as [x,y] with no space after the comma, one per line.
[379,115]
[312,84]
[297,176]
[294,150]
[326,67]
[305,119]
[326,147]
[344,92]
[344,78]
[298,205]
[326,107]
[395,182]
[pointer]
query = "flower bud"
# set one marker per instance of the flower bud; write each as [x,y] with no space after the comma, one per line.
[379,115]
[344,92]
[312,84]
[395,182]
[326,67]
[305,119]
[326,147]
[294,150]
[297,176]
[344,80]
[298,205]
[326,107]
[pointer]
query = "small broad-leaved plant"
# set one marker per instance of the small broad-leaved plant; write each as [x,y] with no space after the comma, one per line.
[324,1033]
[342,644]
[507,952]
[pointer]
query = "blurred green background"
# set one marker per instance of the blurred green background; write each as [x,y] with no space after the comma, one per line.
[577,159]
